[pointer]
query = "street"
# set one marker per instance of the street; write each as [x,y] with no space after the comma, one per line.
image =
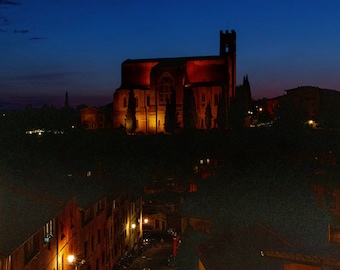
[155,257]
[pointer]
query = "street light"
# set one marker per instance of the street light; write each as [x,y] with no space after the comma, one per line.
[70,258]
[73,261]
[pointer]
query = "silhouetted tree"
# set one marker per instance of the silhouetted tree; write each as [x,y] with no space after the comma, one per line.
[167,122]
[208,116]
[171,120]
[222,112]
[68,117]
[236,114]
[239,105]
[237,110]
[131,121]
[30,117]
[49,118]
[189,110]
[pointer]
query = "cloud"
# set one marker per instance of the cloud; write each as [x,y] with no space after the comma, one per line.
[57,78]
[10,3]
[3,21]
[37,38]
[24,31]
[49,76]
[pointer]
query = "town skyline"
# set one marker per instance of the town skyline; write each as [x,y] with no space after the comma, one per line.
[279,46]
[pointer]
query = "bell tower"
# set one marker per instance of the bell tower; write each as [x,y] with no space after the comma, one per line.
[227,42]
[228,52]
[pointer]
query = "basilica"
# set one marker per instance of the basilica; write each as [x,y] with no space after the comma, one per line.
[153,80]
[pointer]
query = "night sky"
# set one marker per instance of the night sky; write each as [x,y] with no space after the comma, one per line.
[50,47]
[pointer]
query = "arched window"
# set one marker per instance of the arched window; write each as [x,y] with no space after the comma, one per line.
[165,87]
[203,100]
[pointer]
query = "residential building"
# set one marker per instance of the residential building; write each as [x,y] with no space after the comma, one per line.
[94,222]
[319,106]
[92,118]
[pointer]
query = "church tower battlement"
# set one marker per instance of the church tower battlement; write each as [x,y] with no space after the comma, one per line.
[227,42]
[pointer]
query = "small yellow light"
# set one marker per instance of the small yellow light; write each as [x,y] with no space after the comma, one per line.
[133,225]
[146,220]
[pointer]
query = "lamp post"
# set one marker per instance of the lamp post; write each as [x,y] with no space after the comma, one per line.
[74,262]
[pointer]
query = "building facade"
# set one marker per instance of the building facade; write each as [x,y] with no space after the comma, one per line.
[320,107]
[96,230]
[92,118]
[153,81]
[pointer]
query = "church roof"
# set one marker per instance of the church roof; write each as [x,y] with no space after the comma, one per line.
[172,60]
[196,70]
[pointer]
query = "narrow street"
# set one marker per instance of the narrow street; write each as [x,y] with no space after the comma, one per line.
[154,258]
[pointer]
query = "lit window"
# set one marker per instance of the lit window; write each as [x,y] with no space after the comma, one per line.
[48,231]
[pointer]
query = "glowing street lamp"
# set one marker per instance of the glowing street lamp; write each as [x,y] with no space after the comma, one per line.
[70,258]
[73,261]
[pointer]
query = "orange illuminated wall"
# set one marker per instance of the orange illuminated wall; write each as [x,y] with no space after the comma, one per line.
[91,118]
[137,73]
[206,70]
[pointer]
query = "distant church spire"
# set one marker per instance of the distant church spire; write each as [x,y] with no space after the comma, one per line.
[66,104]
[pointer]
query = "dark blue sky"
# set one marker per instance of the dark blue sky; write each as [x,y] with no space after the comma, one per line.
[77,46]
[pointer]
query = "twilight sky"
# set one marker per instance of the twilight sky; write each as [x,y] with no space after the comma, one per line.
[50,47]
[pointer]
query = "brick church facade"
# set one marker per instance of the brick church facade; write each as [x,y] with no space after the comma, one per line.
[152,81]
